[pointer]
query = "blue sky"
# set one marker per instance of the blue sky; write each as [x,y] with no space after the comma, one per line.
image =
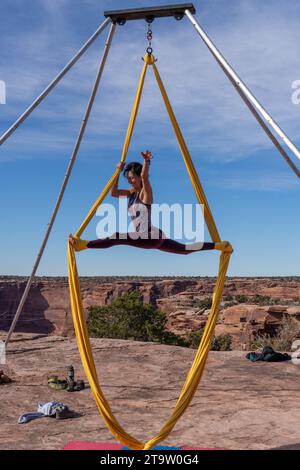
[252,192]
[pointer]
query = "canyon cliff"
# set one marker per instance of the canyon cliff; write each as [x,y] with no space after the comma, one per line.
[249,306]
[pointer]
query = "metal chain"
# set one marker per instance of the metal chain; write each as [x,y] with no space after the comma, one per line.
[149,49]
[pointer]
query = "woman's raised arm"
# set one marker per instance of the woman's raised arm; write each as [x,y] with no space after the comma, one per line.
[115,191]
[147,197]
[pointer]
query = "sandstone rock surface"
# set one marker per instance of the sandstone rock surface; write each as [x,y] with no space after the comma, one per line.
[238,405]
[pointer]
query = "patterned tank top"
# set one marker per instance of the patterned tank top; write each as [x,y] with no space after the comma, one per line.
[140,213]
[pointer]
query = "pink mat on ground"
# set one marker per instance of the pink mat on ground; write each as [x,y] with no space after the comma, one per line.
[83,445]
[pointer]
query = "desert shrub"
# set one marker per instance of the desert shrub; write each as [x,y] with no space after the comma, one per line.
[218,343]
[230,304]
[282,340]
[129,318]
[204,304]
[194,339]
[222,343]
[228,298]
[241,299]
[262,299]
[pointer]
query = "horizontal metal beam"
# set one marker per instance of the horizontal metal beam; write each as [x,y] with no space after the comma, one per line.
[121,16]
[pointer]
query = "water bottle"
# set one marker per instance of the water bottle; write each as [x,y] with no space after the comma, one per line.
[70,378]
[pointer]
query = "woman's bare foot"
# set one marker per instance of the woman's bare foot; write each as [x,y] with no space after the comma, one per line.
[71,239]
[224,246]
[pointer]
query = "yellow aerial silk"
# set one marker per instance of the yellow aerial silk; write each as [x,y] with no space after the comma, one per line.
[84,346]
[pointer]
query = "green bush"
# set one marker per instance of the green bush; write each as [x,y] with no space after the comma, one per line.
[204,304]
[194,338]
[222,343]
[128,318]
[230,304]
[262,300]
[228,298]
[241,299]
[218,343]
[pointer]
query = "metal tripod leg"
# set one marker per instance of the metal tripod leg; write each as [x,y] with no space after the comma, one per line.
[250,100]
[65,182]
[54,82]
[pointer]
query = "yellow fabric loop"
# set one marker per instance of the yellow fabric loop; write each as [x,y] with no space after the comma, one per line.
[193,377]
[123,157]
[189,163]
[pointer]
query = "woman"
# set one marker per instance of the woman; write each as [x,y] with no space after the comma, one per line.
[140,199]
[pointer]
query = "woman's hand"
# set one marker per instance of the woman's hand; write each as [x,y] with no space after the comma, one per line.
[146,155]
[120,165]
[115,191]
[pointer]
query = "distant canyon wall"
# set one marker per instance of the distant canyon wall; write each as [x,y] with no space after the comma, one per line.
[47,310]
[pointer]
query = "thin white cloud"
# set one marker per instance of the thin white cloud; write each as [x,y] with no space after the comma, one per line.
[258,182]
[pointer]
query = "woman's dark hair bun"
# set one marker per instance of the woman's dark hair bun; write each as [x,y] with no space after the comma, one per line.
[135,167]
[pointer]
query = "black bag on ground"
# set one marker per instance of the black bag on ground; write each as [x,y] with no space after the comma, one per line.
[269,355]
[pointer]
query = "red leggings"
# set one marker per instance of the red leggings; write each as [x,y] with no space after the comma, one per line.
[159,243]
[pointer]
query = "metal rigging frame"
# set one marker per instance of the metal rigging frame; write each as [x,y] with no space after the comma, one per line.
[120,17]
